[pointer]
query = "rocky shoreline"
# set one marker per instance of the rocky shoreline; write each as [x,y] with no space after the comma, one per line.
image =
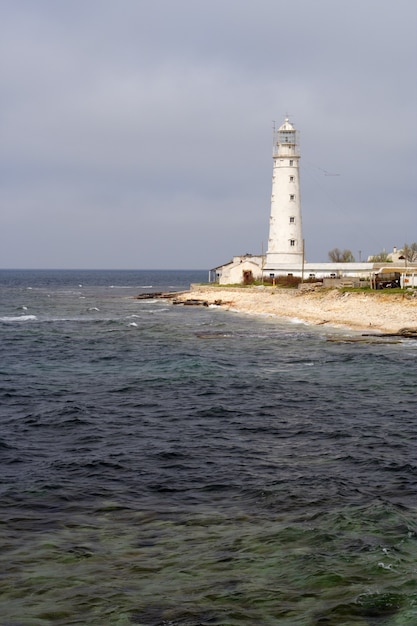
[375,312]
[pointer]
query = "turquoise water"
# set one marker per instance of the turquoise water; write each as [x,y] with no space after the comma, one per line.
[180,466]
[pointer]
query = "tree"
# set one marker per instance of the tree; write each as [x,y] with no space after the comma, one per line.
[409,252]
[381,257]
[341,256]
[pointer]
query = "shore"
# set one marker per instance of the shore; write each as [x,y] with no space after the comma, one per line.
[372,312]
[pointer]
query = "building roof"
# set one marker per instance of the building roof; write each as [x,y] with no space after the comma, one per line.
[286,125]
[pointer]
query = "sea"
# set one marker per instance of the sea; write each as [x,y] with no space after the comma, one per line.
[168,465]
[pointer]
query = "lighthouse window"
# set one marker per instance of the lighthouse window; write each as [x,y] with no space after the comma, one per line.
[292,220]
[291,162]
[292,196]
[291,179]
[292,242]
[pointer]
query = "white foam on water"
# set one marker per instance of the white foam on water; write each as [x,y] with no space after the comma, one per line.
[18,318]
[297,320]
[385,566]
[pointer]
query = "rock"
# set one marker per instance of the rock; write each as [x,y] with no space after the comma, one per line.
[195,302]
[407,333]
[157,295]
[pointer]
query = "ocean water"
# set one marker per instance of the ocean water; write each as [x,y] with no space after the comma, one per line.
[164,465]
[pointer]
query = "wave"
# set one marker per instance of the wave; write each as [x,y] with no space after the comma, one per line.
[18,318]
[130,286]
[89,319]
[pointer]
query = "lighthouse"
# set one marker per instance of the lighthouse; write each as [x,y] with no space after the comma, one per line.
[285,243]
[285,250]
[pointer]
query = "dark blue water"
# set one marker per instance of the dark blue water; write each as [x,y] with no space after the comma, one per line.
[165,465]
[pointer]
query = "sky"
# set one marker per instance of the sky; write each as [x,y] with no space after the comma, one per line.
[137,134]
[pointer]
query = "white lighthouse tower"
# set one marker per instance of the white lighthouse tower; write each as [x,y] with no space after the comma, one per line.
[285,243]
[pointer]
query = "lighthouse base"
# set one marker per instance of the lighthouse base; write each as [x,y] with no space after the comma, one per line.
[285,263]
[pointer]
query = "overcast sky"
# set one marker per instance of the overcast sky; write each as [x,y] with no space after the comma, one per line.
[138,133]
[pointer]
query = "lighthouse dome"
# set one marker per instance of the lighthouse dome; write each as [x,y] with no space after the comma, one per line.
[286,125]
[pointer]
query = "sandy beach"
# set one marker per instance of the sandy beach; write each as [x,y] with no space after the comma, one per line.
[374,311]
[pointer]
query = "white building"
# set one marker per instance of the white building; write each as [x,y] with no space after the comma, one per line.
[285,243]
[285,251]
[238,270]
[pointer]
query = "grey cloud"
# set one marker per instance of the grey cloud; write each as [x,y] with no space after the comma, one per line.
[149,126]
